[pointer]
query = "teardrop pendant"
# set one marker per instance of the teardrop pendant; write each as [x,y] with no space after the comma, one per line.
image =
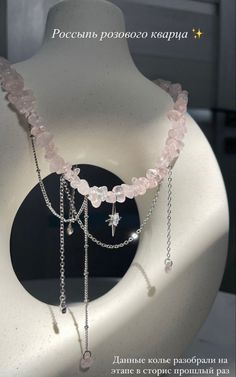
[70,230]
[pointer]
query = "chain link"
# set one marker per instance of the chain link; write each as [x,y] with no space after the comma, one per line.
[86,273]
[137,232]
[62,296]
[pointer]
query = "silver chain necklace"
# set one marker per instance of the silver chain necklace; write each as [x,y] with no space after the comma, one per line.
[23,102]
[75,217]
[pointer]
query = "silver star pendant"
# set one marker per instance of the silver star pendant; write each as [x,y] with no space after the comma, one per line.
[113,220]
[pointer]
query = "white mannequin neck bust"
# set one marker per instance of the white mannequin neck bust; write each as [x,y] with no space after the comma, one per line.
[104,112]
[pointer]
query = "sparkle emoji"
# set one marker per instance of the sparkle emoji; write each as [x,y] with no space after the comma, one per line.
[197,33]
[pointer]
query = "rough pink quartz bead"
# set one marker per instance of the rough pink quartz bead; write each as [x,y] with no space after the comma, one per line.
[4,64]
[151,173]
[27,97]
[172,151]
[119,192]
[165,158]
[67,167]
[68,175]
[43,139]
[37,130]
[134,180]
[110,197]
[102,193]
[75,183]
[141,189]
[152,183]
[183,128]
[50,153]
[96,203]
[24,95]
[138,187]
[176,134]
[76,171]
[181,105]
[16,92]
[56,164]
[93,193]
[135,188]
[128,190]
[181,124]
[8,72]
[73,175]
[144,181]
[24,107]
[162,172]
[36,120]
[178,145]
[169,153]
[3,74]
[174,115]
[175,90]
[163,84]
[13,98]
[83,187]
[183,95]
[12,81]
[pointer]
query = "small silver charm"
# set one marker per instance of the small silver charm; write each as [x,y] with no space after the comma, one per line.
[113,219]
[168,264]
[69,229]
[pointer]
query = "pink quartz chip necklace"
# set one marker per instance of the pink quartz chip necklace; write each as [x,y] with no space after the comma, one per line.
[24,103]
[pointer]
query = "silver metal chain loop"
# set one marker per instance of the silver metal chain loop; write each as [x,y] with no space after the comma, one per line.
[132,238]
[62,296]
[86,273]
[76,214]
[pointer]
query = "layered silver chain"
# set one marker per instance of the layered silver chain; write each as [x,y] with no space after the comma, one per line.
[86,273]
[132,238]
[62,296]
[136,233]
[44,192]
[74,216]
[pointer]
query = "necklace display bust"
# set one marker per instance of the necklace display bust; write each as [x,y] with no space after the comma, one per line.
[103,112]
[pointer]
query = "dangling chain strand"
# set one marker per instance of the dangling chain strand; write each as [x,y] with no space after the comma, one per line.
[87,359]
[86,272]
[168,260]
[169,204]
[62,250]
[44,193]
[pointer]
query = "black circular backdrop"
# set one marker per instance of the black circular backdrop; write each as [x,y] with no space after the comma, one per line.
[35,238]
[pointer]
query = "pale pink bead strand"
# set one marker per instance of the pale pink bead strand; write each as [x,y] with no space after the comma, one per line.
[24,102]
